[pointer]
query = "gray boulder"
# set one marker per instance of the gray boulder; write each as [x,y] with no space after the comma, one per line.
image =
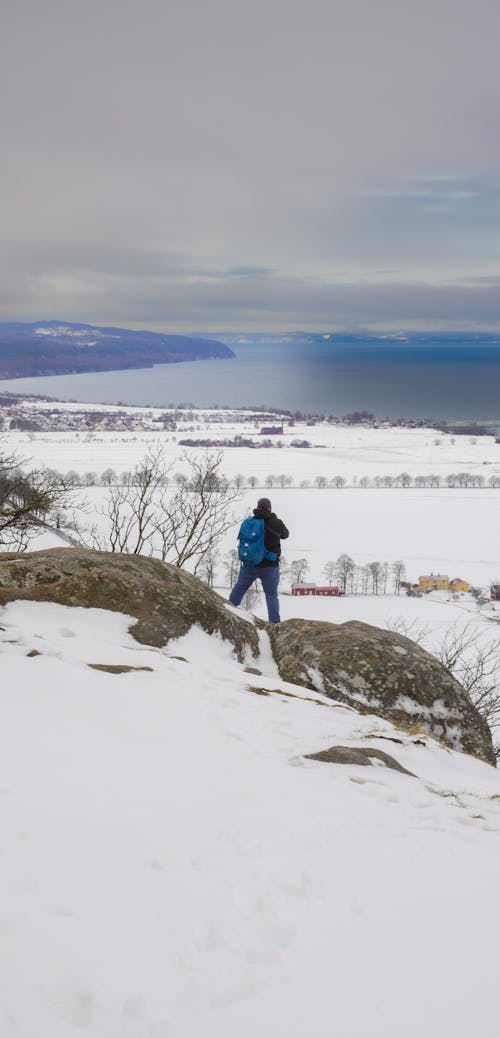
[165,600]
[378,672]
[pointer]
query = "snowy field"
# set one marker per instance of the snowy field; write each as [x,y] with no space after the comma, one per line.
[431,529]
[351,452]
[439,531]
[172,866]
[453,531]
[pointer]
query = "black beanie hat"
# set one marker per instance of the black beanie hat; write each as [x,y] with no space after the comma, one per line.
[264,503]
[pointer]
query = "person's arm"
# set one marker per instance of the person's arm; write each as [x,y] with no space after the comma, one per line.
[281,530]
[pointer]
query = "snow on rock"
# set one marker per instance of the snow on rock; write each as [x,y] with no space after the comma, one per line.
[172,865]
[384,673]
[165,600]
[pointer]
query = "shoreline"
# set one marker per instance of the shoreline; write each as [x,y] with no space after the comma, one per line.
[457,426]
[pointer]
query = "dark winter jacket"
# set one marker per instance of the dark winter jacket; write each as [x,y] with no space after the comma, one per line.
[274,532]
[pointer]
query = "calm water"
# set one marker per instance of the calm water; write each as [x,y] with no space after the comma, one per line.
[437,381]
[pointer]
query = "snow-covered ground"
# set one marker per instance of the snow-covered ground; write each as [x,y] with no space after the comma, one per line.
[172,865]
[349,451]
[435,613]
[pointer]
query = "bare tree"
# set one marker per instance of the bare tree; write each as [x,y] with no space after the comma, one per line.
[207,567]
[338,482]
[252,481]
[344,569]
[232,566]
[364,577]
[320,481]
[329,571]
[375,571]
[144,517]
[398,570]
[199,514]
[419,633]
[298,570]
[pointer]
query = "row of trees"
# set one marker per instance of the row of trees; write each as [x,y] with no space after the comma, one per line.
[377,578]
[108,477]
[403,479]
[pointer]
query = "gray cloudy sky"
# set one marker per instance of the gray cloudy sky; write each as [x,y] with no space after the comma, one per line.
[226,164]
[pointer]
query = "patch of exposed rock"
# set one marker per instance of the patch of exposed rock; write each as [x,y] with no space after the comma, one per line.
[117,668]
[165,600]
[378,672]
[358,755]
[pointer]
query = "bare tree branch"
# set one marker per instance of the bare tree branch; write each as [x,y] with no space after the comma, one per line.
[29,500]
[145,517]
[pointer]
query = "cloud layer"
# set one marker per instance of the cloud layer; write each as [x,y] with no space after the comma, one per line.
[181,165]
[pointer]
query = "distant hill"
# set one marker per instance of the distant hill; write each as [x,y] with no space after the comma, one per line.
[331,338]
[62,348]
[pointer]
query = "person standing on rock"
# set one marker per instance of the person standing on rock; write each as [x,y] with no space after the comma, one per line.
[259,552]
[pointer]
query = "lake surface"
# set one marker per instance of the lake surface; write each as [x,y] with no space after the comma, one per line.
[416,381]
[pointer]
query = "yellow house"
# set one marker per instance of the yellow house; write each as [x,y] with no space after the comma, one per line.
[434,582]
[457,584]
[441,582]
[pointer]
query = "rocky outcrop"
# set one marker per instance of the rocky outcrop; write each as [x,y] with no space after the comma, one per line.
[165,600]
[378,672]
[372,670]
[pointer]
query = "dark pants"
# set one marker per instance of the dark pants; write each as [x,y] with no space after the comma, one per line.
[269,577]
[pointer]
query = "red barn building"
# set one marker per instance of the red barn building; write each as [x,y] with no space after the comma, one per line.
[313,589]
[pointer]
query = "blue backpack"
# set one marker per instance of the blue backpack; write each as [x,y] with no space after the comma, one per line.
[251,547]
